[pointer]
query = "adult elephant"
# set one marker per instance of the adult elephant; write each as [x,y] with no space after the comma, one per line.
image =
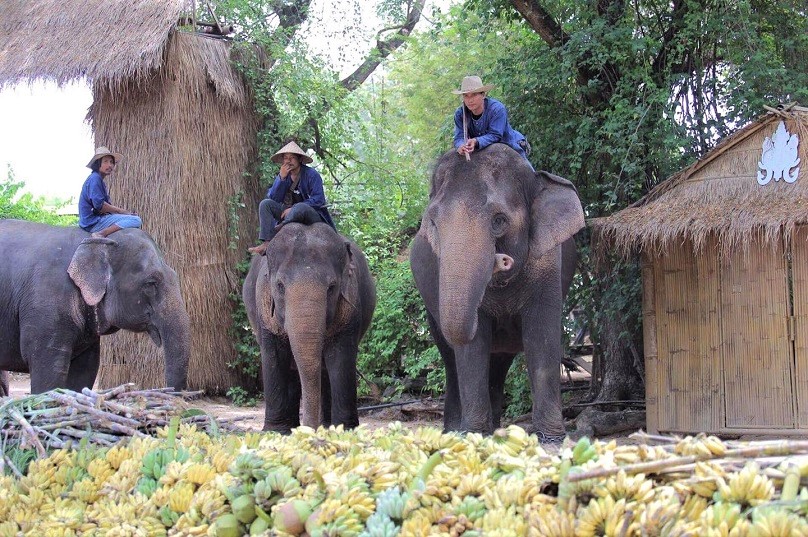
[61,290]
[493,259]
[309,301]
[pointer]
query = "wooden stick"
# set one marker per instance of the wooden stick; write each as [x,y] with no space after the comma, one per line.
[465,131]
[32,436]
[781,448]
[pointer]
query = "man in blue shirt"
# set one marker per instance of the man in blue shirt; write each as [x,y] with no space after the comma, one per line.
[296,195]
[486,121]
[96,213]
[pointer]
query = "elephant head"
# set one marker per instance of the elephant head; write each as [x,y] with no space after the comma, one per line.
[309,294]
[129,286]
[489,222]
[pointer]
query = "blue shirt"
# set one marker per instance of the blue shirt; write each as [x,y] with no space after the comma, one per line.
[492,127]
[93,195]
[310,187]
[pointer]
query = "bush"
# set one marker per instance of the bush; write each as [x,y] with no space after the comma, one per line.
[398,342]
[24,206]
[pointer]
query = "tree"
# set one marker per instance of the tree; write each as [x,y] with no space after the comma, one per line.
[299,95]
[635,91]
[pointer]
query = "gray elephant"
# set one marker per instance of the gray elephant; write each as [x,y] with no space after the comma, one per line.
[309,301]
[493,260]
[62,290]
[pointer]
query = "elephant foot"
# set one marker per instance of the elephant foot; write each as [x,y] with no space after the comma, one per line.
[554,439]
[277,428]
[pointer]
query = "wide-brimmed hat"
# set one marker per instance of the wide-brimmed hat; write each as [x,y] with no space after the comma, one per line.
[293,148]
[103,152]
[472,84]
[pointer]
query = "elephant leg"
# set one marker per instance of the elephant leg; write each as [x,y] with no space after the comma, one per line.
[541,337]
[84,367]
[5,391]
[452,413]
[281,385]
[325,399]
[473,361]
[48,357]
[498,370]
[340,364]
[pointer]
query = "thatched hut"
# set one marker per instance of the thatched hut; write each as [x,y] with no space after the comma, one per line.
[724,247]
[172,103]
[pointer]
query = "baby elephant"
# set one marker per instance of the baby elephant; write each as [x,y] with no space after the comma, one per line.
[309,300]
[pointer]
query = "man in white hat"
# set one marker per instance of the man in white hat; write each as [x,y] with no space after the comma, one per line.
[296,195]
[96,213]
[486,121]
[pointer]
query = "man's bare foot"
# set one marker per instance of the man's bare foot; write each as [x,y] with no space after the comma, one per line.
[261,249]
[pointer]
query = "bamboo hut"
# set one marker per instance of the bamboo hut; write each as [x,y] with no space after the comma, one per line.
[724,249]
[170,101]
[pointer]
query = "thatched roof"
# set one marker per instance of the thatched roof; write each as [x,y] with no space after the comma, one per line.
[64,40]
[718,195]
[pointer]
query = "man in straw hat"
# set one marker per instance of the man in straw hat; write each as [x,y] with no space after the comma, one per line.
[481,121]
[96,213]
[296,195]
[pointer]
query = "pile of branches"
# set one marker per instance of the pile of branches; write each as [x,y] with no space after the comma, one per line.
[61,417]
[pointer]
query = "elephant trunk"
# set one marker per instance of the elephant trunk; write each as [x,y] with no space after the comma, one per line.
[467,263]
[172,330]
[305,323]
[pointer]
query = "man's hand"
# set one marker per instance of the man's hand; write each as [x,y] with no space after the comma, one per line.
[285,212]
[285,169]
[467,147]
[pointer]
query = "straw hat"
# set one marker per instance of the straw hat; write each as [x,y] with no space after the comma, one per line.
[103,152]
[293,148]
[472,84]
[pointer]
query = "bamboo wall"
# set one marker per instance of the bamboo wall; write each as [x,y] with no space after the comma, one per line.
[186,147]
[726,354]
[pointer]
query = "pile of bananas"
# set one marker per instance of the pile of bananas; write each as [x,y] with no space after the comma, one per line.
[398,481]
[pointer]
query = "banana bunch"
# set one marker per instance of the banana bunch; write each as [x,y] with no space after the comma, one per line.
[749,487]
[701,445]
[396,482]
[769,522]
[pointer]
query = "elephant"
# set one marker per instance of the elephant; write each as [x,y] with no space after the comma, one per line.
[61,290]
[493,259]
[309,302]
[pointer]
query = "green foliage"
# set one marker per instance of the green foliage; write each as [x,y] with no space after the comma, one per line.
[241,397]
[14,203]
[398,342]
[247,360]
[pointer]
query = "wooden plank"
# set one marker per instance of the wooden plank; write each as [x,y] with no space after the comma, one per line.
[800,286]
[650,352]
[756,349]
[688,372]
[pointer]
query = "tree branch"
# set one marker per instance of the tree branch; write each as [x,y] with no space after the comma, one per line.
[541,21]
[384,48]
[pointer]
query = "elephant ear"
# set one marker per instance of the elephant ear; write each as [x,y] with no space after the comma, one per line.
[349,288]
[555,213]
[90,269]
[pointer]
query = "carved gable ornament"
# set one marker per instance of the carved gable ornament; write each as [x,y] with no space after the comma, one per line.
[779,159]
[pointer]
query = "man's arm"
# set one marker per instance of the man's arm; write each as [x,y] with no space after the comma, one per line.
[497,120]
[459,135]
[278,189]
[316,196]
[108,208]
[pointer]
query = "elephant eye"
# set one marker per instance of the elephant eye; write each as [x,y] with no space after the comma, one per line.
[499,224]
[331,288]
[280,287]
